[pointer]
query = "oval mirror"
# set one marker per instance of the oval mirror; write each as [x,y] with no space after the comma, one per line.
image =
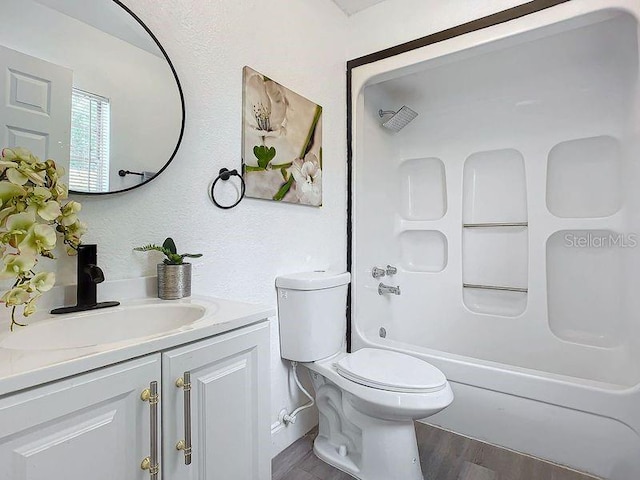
[87,84]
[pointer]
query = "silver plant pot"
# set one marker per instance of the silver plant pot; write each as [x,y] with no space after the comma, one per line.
[174,281]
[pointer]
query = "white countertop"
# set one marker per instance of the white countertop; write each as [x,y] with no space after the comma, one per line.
[20,369]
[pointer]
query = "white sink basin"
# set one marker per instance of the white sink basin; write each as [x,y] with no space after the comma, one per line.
[100,327]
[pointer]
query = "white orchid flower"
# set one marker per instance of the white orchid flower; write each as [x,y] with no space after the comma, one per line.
[30,307]
[48,209]
[16,264]
[70,213]
[8,191]
[72,236]
[18,154]
[15,296]
[32,216]
[18,226]
[41,238]
[43,281]
[308,176]
[16,177]
[266,106]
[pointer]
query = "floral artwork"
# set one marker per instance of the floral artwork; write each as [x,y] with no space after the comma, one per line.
[282,142]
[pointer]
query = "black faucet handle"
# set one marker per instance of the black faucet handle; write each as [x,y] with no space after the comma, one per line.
[95,273]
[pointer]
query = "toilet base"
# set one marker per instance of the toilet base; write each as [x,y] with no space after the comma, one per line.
[390,452]
[366,447]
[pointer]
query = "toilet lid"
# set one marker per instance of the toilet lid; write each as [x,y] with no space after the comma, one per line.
[392,371]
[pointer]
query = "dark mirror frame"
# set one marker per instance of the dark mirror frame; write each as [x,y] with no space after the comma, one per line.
[182,105]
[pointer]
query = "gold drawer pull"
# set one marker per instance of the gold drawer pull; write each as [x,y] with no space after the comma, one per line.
[151,462]
[184,382]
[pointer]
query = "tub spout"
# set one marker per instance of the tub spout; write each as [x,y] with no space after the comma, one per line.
[388,289]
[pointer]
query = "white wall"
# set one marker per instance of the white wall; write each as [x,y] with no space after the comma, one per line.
[397,21]
[299,44]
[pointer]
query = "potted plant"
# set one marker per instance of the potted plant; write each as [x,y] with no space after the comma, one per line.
[34,213]
[174,274]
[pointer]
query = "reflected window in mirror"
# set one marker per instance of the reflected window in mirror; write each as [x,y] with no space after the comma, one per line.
[90,137]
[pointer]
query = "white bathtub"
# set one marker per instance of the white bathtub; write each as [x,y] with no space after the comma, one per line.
[535,120]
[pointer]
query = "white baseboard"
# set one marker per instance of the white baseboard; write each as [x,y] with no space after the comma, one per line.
[282,436]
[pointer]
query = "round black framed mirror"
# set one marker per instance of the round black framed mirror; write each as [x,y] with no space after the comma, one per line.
[90,86]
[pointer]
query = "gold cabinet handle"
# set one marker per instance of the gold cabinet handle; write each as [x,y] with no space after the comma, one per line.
[151,462]
[184,382]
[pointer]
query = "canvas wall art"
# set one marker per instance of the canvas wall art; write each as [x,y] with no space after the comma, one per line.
[281,144]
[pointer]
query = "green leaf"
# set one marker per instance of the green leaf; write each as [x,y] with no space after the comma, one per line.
[264,155]
[284,173]
[191,255]
[308,142]
[169,245]
[150,247]
[281,165]
[173,259]
[251,168]
[283,189]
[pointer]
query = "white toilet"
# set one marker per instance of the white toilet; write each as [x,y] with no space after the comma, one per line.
[368,399]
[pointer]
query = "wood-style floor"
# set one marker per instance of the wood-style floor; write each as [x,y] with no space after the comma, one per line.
[443,455]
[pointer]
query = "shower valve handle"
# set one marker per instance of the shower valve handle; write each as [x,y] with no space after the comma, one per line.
[391,270]
[378,272]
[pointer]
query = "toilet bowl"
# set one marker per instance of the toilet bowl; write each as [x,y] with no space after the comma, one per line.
[367,400]
[366,427]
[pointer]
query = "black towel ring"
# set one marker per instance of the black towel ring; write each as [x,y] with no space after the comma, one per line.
[224,175]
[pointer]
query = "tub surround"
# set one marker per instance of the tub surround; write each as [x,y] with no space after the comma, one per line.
[529,124]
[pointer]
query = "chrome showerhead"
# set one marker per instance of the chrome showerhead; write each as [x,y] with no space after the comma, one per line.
[399,119]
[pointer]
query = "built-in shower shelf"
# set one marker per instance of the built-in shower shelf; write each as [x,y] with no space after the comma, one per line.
[495,224]
[496,287]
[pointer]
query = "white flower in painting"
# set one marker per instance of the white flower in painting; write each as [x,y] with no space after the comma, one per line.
[308,176]
[266,106]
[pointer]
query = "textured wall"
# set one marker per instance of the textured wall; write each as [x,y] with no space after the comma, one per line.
[297,43]
[397,21]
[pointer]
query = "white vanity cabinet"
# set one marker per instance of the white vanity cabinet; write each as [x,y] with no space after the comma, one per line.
[96,425]
[93,426]
[229,407]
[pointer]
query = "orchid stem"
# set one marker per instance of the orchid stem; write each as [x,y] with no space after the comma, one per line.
[13,319]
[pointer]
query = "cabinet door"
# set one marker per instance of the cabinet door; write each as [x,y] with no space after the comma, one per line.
[91,426]
[229,407]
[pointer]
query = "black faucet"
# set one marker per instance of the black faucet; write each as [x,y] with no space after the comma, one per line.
[89,275]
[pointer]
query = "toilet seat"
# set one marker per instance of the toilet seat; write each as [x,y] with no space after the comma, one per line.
[390,371]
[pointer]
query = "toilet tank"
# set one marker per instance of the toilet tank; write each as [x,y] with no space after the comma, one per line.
[312,314]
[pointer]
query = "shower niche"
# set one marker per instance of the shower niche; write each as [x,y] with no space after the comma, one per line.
[423,250]
[495,251]
[585,285]
[584,178]
[422,189]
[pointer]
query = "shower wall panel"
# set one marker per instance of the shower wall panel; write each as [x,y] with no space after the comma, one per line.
[533,121]
[539,128]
